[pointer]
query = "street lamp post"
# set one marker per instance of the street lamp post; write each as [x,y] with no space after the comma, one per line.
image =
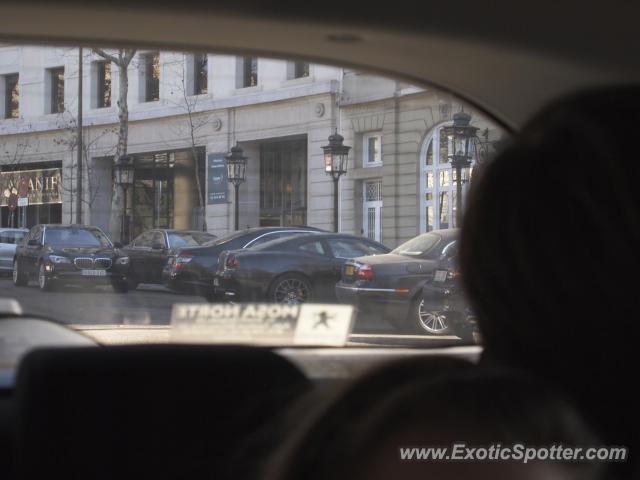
[462,151]
[236,174]
[335,165]
[124,178]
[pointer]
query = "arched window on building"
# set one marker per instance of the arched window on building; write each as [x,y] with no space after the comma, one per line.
[438,183]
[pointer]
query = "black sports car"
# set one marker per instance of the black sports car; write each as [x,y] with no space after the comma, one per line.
[390,286]
[150,251]
[291,270]
[191,269]
[56,255]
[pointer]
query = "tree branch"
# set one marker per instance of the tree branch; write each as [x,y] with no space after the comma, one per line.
[107,56]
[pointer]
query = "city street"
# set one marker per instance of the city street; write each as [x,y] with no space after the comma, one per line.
[141,313]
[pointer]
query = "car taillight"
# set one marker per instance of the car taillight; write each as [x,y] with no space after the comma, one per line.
[183,259]
[364,271]
[232,262]
[452,274]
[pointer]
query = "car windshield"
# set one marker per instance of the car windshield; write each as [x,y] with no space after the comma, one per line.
[419,246]
[195,149]
[75,237]
[189,239]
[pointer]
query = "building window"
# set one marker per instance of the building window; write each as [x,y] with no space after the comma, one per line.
[300,69]
[200,74]
[372,150]
[56,82]
[151,76]
[438,184]
[372,210]
[103,84]
[248,72]
[11,96]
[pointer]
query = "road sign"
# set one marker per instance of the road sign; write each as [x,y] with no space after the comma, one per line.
[23,201]
[23,187]
[12,202]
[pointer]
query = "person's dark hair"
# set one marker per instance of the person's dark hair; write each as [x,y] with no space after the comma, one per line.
[549,248]
[411,401]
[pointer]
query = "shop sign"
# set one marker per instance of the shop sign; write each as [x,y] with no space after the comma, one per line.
[216,178]
[38,187]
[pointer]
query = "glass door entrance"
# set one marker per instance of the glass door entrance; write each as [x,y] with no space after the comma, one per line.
[283,183]
[152,200]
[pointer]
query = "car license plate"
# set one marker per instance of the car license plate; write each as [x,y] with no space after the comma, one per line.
[94,273]
[216,282]
[348,270]
[440,276]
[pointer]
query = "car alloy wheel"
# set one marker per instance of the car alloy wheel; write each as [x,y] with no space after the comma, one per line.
[19,278]
[432,322]
[291,291]
[44,282]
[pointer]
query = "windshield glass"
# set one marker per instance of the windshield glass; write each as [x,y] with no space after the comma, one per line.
[189,239]
[75,237]
[180,151]
[419,246]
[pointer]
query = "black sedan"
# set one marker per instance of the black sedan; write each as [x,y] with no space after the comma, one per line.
[150,251]
[57,255]
[443,307]
[290,270]
[390,286]
[191,269]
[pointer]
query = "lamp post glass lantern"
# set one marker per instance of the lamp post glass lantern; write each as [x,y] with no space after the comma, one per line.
[236,174]
[462,140]
[336,156]
[123,174]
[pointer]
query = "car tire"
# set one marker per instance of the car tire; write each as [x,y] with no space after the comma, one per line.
[19,278]
[428,322]
[291,288]
[121,286]
[132,283]
[45,284]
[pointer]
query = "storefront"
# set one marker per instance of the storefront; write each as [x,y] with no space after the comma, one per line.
[43,201]
[165,191]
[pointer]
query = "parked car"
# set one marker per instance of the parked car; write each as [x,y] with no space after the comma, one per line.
[57,255]
[9,238]
[390,286]
[191,269]
[149,252]
[290,270]
[442,299]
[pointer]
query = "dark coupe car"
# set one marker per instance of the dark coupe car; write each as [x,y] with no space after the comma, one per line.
[443,307]
[150,251]
[191,269]
[290,270]
[57,255]
[390,286]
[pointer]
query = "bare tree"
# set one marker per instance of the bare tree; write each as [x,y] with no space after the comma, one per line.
[121,58]
[67,125]
[195,122]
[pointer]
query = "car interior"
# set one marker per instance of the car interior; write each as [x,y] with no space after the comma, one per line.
[74,408]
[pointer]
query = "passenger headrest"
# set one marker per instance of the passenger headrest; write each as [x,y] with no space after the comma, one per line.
[148,411]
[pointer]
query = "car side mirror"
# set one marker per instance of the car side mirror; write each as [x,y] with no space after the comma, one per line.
[33,243]
[117,245]
[157,246]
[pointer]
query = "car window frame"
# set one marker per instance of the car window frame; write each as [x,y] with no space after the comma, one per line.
[343,239]
[322,242]
[292,232]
